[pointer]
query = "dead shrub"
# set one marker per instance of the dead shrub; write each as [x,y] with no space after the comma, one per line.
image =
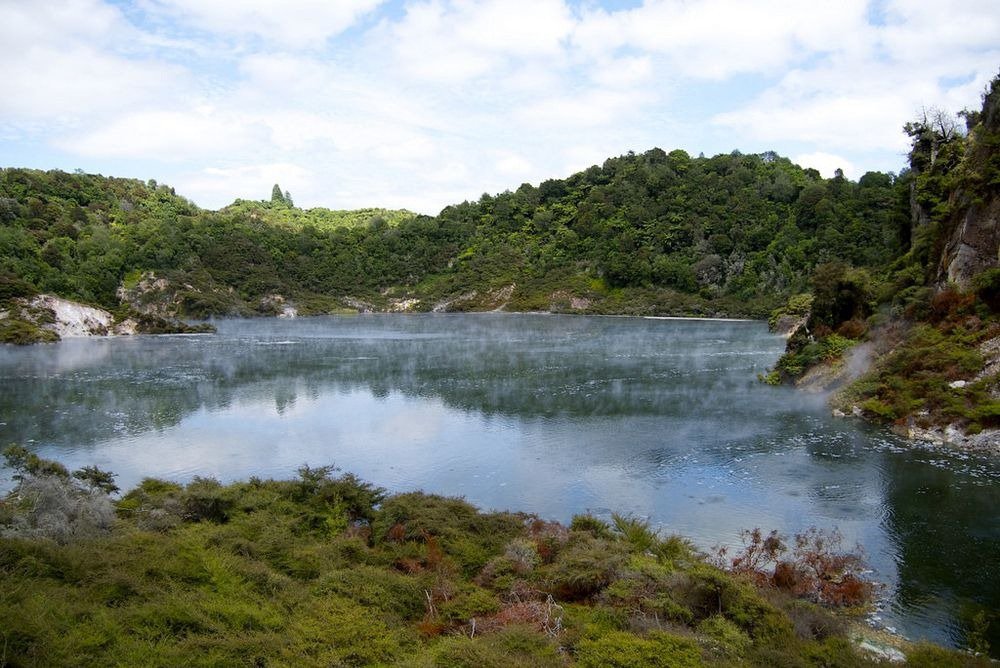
[817,569]
[57,507]
[542,616]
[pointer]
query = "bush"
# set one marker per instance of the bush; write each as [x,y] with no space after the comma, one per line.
[391,593]
[987,287]
[48,502]
[205,499]
[590,524]
[22,332]
[634,531]
[925,655]
[584,568]
[797,306]
[827,349]
[729,639]
[840,293]
[333,631]
[618,649]
[51,506]
[817,569]
[812,622]
[13,287]
[511,648]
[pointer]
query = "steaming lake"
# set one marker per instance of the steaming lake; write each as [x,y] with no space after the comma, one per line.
[550,414]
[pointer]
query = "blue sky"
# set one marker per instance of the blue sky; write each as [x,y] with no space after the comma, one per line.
[423,103]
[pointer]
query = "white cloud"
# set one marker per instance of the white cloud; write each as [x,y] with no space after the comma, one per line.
[718,38]
[854,120]
[857,103]
[452,42]
[225,184]
[826,164]
[588,109]
[170,136]
[291,23]
[62,64]
[26,25]
[421,103]
[623,72]
[512,164]
[935,33]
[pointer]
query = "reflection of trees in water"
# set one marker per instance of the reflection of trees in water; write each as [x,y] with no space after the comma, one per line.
[677,378]
[99,390]
[945,526]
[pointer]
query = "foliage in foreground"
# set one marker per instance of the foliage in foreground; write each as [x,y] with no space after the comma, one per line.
[327,570]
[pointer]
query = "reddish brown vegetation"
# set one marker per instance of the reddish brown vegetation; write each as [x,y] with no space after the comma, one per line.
[397,532]
[852,329]
[548,537]
[523,606]
[817,569]
[949,304]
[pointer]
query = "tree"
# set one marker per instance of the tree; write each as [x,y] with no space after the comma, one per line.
[276,196]
[929,133]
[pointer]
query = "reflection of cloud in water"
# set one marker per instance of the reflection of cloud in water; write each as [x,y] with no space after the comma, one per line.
[556,415]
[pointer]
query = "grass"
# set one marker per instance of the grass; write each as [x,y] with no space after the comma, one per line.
[327,570]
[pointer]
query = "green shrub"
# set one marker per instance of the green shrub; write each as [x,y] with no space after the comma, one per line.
[708,591]
[634,531]
[333,631]
[22,332]
[811,622]
[205,499]
[592,525]
[466,603]
[617,649]
[585,567]
[925,655]
[987,287]
[510,648]
[727,639]
[391,593]
[797,306]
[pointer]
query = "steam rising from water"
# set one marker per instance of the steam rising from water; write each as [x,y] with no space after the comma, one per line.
[551,414]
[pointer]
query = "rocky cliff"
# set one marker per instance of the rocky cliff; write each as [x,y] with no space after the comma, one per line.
[972,226]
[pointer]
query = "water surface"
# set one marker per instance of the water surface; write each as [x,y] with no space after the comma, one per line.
[554,415]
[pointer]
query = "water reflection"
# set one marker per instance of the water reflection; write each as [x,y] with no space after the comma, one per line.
[552,414]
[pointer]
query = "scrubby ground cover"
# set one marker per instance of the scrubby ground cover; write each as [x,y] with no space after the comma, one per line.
[327,570]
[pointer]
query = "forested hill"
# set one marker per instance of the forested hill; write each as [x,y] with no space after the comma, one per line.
[655,232]
[735,230]
[930,328]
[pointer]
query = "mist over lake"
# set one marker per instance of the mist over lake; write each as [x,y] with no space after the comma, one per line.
[555,415]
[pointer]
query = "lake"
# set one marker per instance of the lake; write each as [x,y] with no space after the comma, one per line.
[556,415]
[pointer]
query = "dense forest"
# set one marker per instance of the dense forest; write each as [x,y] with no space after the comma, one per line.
[654,233]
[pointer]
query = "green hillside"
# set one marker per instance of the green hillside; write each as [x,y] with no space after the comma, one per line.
[645,233]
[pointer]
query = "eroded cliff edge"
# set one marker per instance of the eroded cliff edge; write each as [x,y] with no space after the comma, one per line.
[918,346]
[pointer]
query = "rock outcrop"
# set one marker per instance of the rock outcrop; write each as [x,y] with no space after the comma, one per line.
[48,318]
[973,244]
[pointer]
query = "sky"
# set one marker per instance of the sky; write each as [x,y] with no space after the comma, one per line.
[419,104]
